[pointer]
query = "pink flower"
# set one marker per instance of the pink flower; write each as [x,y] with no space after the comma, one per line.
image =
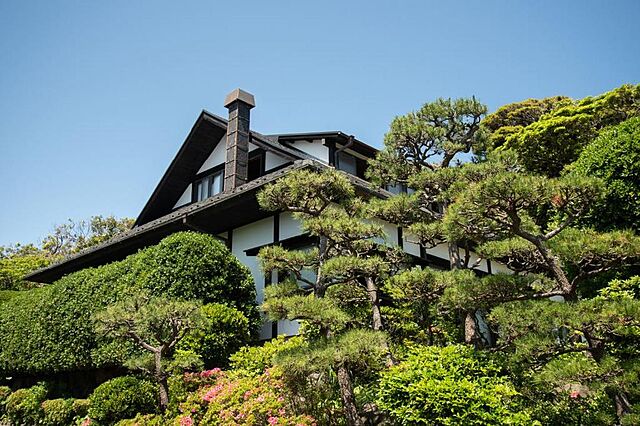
[212,393]
[208,373]
[86,422]
[186,421]
[574,394]
[272,420]
[260,398]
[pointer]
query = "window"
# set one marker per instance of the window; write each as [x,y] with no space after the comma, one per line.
[208,186]
[255,168]
[346,163]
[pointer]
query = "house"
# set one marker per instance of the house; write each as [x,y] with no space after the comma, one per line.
[211,185]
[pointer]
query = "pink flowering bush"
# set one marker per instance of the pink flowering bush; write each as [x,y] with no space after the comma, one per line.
[224,399]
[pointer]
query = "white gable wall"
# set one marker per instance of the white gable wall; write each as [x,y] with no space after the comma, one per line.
[315,148]
[185,198]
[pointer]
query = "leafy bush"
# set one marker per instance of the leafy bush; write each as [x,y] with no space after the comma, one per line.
[14,268]
[447,386]
[6,295]
[57,412]
[614,156]
[254,360]
[122,398]
[229,400]
[50,329]
[80,407]
[5,391]
[24,406]
[143,420]
[226,330]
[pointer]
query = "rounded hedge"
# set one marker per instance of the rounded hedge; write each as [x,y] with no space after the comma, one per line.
[57,412]
[122,398]
[24,406]
[5,391]
[226,330]
[50,329]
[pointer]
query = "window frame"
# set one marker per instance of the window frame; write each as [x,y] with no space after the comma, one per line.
[207,176]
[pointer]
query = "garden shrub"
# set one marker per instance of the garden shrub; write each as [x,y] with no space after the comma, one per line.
[232,400]
[80,407]
[6,295]
[122,398]
[24,406]
[226,330]
[57,412]
[5,391]
[50,329]
[254,360]
[143,420]
[446,386]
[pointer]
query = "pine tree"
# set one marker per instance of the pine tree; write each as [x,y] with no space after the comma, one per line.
[348,254]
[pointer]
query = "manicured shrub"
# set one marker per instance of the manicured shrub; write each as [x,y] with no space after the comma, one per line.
[24,406]
[226,330]
[144,420]
[254,360]
[122,398]
[50,329]
[5,391]
[80,407]
[57,412]
[446,386]
[6,295]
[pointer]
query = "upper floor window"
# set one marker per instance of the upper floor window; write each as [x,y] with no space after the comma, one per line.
[208,186]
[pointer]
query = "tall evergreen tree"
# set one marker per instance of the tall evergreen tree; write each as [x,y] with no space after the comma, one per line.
[347,255]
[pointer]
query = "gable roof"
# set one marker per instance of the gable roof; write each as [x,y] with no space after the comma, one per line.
[208,130]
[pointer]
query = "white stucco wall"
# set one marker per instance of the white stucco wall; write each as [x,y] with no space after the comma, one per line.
[185,198]
[246,237]
[271,161]
[315,148]
[217,157]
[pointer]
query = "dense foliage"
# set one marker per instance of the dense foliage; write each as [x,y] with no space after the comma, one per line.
[556,139]
[614,157]
[51,329]
[121,398]
[449,386]
[18,260]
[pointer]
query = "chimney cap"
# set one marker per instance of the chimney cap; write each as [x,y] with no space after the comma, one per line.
[240,95]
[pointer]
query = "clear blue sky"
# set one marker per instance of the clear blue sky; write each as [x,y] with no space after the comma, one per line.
[96,97]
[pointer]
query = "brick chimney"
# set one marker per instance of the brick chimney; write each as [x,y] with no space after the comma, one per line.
[239,104]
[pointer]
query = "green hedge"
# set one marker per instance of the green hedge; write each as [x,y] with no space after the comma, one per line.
[5,391]
[122,398]
[226,330]
[24,406]
[57,412]
[50,329]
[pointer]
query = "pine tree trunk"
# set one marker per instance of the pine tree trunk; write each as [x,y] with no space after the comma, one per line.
[372,291]
[470,329]
[348,398]
[161,378]
[556,270]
